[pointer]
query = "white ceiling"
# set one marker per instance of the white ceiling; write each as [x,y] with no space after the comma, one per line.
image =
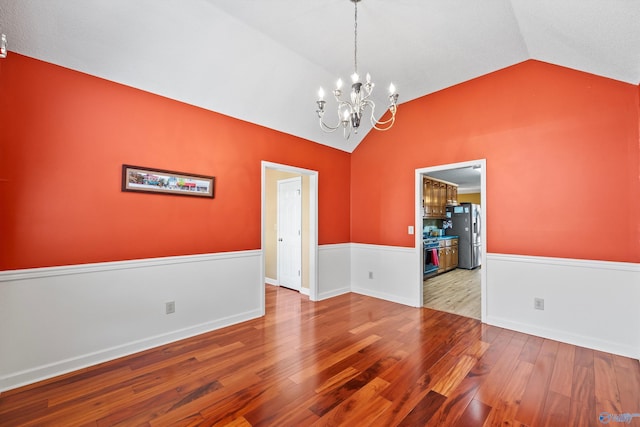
[467,178]
[263,61]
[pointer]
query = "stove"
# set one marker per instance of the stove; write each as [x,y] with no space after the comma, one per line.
[430,242]
[431,262]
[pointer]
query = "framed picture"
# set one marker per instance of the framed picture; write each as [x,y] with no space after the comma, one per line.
[160,181]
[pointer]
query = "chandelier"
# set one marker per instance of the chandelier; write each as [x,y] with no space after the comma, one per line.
[350,112]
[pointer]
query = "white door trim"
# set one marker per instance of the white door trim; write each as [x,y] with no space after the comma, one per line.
[313,223]
[483,222]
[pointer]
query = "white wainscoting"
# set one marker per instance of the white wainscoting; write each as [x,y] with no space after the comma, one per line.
[394,273]
[60,319]
[334,270]
[594,304]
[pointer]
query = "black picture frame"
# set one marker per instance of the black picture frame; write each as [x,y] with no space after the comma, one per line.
[161,181]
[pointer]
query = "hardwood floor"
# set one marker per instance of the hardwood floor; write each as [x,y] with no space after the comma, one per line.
[457,292]
[350,360]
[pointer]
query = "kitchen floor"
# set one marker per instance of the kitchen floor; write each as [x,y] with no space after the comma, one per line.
[457,291]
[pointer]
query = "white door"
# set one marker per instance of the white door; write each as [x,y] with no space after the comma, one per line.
[290,233]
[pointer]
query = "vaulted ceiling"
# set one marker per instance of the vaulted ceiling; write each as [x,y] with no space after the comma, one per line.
[263,61]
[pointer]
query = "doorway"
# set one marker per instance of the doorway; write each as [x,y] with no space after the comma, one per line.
[271,174]
[456,284]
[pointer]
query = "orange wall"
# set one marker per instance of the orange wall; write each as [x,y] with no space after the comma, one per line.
[64,138]
[562,150]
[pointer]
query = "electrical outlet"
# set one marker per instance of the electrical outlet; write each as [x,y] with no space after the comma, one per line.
[170,307]
[371,275]
[538,303]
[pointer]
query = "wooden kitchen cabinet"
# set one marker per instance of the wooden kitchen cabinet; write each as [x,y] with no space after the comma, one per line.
[436,195]
[442,199]
[427,199]
[447,259]
[452,194]
[436,200]
[450,254]
[453,260]
[447,255]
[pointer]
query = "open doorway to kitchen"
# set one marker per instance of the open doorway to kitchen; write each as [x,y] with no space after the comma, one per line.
[450,280]
[272,174]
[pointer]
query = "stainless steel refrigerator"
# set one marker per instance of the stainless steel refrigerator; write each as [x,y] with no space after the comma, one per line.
[464,221]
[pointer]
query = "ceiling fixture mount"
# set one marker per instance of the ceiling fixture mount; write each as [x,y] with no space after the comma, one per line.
[350,112]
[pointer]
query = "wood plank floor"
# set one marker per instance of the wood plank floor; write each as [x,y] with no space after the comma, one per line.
[456,291]
[350,360]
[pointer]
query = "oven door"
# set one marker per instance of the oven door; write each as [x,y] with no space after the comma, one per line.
[431,262]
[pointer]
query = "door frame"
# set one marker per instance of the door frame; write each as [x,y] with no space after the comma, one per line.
[483,221]
[313,223]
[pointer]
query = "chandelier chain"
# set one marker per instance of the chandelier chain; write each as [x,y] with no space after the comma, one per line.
[355,38]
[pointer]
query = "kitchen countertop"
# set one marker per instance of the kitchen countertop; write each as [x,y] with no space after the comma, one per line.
[441,237]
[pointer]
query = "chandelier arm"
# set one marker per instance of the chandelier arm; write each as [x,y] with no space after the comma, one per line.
[341,102]
[326,128]
[341,121]
[377,125]
[365,99]
[385,124]
[382,124]
[372,105]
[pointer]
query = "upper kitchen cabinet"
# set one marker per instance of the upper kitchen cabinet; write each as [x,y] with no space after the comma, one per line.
[436,195]
[452,194]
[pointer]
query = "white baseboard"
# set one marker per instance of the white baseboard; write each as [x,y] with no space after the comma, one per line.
[333,293]
[270,281]
[595,343]
[383,295]
[60,319]
[274,282]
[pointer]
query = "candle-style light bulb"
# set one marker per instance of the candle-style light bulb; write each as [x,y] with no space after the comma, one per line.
[368,78]
[339,84]
[345,115]
[320,94]
[355,77]
[392,89]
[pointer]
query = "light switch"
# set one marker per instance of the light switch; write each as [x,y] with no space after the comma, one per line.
[411,229]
